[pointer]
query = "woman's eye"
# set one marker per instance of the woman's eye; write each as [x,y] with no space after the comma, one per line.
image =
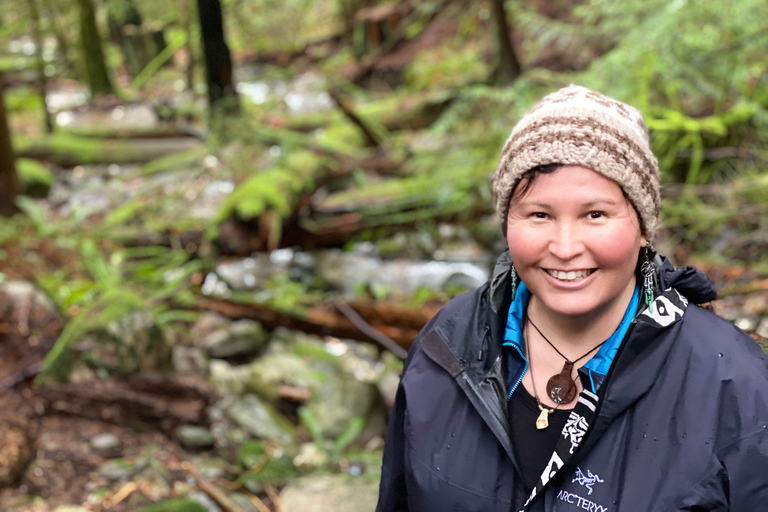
[539,215]
[596,215]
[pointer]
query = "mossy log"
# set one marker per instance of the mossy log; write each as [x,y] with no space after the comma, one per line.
[68,151]
[270,199]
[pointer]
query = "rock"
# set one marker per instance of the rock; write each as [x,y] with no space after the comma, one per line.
[70,508]
[106,445]
[23,295]
[228,379]
[339,401]
[329,493]
[762,328]
[189,361]
[310,457]
[117,469]
[134,343]
[746,323]
[269,372]
[194,436]
[19,427]
[207,323]
[263,421]
[242,338]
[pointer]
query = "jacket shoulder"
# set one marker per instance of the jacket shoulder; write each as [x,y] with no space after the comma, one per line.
[712,337]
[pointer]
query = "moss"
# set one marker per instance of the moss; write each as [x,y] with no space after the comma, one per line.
[178,505]
[277,188]
[36,179]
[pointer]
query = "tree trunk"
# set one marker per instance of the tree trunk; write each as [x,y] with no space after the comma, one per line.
[126,30]
[222,96]
[95,66]
[508,67]
[35,17]
[9,181]
[186,23]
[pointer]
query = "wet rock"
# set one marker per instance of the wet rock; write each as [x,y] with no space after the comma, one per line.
[194,436]
[262,420]
[116,470]
[310,457]
[228,379]
[106,445]
[17,297]
[329,493]
[762,328]
[207,323]
[242,338]
[343,399]
[271,371]
[134,343]
[189,361]
[746,323]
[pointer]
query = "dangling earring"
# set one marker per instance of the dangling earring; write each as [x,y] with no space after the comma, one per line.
[513,278]
[648,271]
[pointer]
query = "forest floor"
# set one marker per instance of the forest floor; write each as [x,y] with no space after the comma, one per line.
[69,466]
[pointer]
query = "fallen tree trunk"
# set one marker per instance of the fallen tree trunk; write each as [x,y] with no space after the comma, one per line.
[400,325]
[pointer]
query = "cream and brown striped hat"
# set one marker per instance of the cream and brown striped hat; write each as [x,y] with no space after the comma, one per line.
[576,126]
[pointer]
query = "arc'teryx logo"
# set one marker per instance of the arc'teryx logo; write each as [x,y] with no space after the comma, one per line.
[587,481]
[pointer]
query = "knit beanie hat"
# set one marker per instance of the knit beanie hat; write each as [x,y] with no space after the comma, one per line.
[576,126]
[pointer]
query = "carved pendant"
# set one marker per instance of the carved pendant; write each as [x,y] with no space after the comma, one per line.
[561,388]
[543,420]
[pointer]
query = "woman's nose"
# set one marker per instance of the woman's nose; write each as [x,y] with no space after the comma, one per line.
[566,241]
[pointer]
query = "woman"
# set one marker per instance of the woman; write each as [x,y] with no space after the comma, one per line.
[582,376]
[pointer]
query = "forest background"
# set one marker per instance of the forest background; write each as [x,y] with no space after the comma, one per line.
[224,222]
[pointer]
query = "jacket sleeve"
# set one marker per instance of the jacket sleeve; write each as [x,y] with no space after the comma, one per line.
[746,463]
[392,489]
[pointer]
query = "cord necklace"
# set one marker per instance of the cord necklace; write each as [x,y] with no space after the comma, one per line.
[561,387]
[542,421]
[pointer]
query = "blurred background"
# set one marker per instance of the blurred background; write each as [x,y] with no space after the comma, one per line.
[224,221]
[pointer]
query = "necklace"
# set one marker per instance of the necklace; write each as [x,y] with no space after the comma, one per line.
[542,421]
[561,387]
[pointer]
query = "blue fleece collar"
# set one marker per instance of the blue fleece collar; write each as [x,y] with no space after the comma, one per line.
[600,363]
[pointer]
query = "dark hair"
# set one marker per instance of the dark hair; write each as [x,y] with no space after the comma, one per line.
[524,184]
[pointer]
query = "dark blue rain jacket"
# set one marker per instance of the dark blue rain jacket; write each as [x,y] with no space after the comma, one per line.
[680,421]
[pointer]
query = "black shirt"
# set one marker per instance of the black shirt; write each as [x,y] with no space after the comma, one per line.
[533,448]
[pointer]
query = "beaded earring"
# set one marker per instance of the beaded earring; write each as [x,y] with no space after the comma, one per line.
[648,271]
[513,278]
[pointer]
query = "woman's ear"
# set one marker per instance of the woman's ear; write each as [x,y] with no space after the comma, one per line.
[644,242]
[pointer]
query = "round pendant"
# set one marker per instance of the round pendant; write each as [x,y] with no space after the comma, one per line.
[561,389]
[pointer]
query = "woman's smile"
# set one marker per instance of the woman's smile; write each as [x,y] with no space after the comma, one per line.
[570,276]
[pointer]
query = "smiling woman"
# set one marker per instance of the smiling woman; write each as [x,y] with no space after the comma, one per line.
[583,375]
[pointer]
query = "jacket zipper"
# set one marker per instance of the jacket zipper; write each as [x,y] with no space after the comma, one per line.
[525,369]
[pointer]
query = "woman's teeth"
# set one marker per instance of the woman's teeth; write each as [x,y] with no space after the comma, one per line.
[573,275]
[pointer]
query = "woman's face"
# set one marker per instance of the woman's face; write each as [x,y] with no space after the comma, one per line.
[574,239]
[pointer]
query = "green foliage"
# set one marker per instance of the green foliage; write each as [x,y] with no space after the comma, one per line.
[36,179]
[177,505]
[347,436]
